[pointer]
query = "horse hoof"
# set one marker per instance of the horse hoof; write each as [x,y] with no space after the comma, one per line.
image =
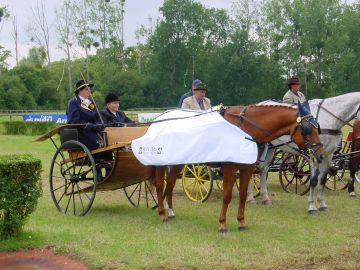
[165,221]
[323,209]
[267,202]
[312,212]
[171,217]
[242,228]
[223,231]
[352,194]
[251,202]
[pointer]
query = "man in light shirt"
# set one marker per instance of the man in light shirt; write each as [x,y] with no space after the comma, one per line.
[293,95]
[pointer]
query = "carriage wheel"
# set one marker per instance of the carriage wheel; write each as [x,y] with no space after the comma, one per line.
[335,179]
[73,179]
[254,182]
[142,194]
[294,174]
[197,180]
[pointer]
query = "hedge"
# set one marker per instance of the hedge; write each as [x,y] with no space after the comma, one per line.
[27,127]
[20,188]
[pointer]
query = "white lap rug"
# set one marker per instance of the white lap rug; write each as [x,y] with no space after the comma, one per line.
[186,137]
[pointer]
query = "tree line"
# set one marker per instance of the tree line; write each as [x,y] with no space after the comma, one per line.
[243,56]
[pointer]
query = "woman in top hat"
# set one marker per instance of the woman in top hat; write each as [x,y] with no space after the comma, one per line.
[293,95]
[81,110]
[111,115]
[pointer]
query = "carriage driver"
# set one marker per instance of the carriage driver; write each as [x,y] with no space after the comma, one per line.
[197,101]
[81,110]
[293,95]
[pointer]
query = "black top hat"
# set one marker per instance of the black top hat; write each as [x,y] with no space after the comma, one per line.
[80,84]
[110,98]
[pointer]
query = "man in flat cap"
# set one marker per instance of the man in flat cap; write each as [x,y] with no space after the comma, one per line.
[293,95]
[111,115]
[197,101]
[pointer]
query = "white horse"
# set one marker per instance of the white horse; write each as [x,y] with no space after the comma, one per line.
[332,114]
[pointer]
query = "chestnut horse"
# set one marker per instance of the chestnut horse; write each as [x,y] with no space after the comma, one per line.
[264,123]
[355,159]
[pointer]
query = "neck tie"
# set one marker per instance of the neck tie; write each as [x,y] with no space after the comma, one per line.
[201,104]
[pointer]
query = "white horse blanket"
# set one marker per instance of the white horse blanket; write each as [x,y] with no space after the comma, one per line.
[186,137]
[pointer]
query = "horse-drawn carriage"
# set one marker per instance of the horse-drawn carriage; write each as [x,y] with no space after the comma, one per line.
[75,172]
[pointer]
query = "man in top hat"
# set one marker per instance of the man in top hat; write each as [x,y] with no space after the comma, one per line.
[197,101]
[293,95]
[81,110]
[111,115]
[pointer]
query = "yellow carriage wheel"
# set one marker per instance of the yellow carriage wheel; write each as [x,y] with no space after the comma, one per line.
[254,182]
[197,182]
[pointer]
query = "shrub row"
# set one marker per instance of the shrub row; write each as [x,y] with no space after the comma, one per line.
[20,188]
[27,127]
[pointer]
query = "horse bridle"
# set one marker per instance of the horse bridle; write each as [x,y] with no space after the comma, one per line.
[314,147]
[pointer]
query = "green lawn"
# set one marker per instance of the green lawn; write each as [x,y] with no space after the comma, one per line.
[115,235]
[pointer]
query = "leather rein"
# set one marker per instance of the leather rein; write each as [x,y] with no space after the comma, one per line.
[331,131]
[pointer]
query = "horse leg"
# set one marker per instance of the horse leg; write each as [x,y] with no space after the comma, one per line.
[263,181]
[313,183]
[245,174]
[229,171]
[323,167]
[159,185]
[353,166]
[173,174]
[320,197]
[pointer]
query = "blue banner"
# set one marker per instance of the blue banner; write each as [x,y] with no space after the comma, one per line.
[57,118]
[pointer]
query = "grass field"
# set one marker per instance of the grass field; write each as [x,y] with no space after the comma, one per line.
[115,235]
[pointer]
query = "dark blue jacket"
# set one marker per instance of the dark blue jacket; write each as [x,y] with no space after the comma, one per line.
[76,114]
[120,118]
[186,95]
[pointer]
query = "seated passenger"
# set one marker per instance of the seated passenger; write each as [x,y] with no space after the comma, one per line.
[197,101]
[188,93]
[111,115]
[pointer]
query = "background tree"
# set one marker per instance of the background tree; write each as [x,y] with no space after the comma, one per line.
[39,28]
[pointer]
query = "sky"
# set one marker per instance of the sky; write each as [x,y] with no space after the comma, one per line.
[137,13]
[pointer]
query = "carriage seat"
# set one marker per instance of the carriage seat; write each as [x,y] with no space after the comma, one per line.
[69,134]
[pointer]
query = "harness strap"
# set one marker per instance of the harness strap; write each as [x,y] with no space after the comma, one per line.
[318,110]
[243,118]
[346,123]
[328,131]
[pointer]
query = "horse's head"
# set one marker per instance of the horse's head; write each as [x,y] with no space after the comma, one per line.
[305,132]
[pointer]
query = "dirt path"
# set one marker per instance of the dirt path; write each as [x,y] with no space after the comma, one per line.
[37,259]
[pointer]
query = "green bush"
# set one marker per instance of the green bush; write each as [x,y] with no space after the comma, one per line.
[20,188]
[27,127]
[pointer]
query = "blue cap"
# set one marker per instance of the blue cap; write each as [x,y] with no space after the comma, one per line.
[196,82]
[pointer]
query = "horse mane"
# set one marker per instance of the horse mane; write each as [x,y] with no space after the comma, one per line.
[285,106]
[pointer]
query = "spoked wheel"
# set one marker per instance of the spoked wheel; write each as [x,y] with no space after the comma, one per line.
[142,194]
[336,179]
[295,173]
[73,178]
[197,180]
